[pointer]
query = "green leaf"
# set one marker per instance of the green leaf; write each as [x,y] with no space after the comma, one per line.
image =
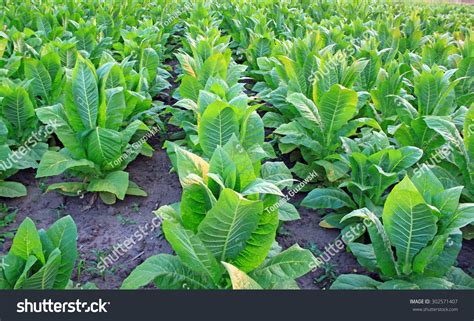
[189,163]
[115,183]
[55,163]
[355,282]
[150,61]
[337,107]
[168,272]
[305,107]
[135,190]
[196,200]
[111,112]
[229,224]
[243,163]
[27,242]
[365,255]
[215,65]
[460,278]
[45,278]
[277,173]
[103,145]
[192,251]
[218,124]
[261,186]
[433,283]
[287,212]
[289,264]
[39,76]
[18,109]
[56,117]
[85,91]
[27,269]
[12,189]
[63,235]
[261,240]
[190,88]
[222,165]
[398,285]
[409,222]
[463,216]
[333,198]
[69,188]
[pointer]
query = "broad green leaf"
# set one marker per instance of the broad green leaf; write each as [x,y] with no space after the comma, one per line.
[196,201]
[337,107]
[63,235]
[18,109]
[103,145]
[355,282]
[409,222]
[333,198]
[85,91]
[111,111]
[229,224]
[56,120]
[215,65]
[222,165]
[12,189]
[190,88]
[261,240]
[433,283]
[288,212]
[115,183]
[45,278]
[192,251]
[365,255]
[40,78]
[243,163]
[289,264]
[398,285]
[189,163]
[68,188]
[218,124]
[261,186]
[55,163]
[27,242]
[277,173]
[167,272]
[305,107]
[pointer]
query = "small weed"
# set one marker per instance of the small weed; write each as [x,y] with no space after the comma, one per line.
[329,273]
[125,220]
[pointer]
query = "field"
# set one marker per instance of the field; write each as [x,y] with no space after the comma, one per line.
[236,145]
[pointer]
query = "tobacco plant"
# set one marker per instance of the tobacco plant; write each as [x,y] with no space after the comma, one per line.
[41,259]
[90,125]
[421,219]
[226,220]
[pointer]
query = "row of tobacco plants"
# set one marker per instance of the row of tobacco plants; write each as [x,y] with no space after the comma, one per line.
[370,103]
